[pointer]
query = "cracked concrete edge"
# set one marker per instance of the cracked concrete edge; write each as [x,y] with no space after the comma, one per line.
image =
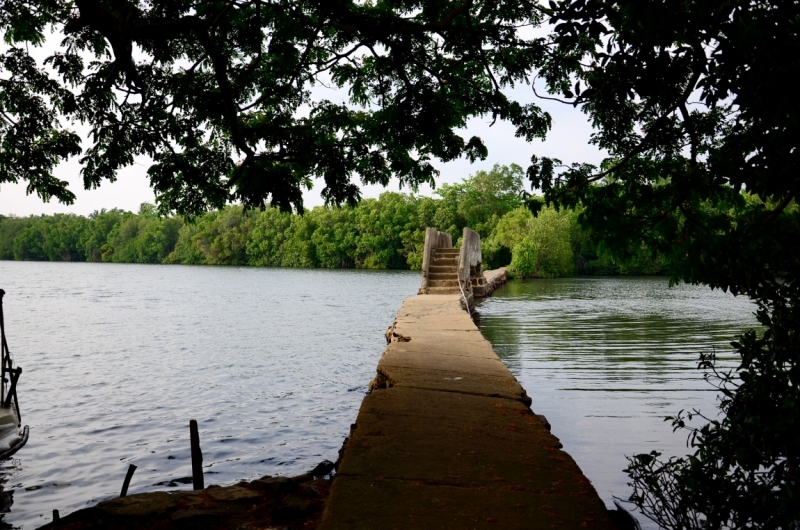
[419,330]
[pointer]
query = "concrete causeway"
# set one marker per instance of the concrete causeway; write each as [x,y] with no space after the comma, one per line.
[446,439]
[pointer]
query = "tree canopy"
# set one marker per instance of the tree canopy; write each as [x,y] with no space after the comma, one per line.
[691,101]
[220,94]
[388,232]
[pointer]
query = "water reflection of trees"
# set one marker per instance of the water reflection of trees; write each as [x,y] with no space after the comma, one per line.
[609,329]
[502,333]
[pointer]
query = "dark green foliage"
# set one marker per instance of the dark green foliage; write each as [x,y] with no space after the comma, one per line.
[383,233]
[280,239]
[218,94]
[9,228]
[689,99]
[56,238]
[28,243]
[335,237]
[494,254]
[638,261]
[144,238]
[388,231]
[99,228]
[217,238]
[32,142]
[479,201]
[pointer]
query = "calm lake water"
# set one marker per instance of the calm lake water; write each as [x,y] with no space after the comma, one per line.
[607,359]
[273,363]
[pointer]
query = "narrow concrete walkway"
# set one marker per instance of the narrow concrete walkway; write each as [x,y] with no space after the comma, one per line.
[492,280]
[446,440]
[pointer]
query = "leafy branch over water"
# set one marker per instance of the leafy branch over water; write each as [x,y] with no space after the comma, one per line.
[684,98]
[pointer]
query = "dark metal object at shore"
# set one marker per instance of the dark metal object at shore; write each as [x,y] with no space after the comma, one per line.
[197,456]
[6,367]
[127,481]
[12,389]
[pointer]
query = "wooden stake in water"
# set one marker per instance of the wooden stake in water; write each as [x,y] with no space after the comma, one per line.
[127,480]
[197,456]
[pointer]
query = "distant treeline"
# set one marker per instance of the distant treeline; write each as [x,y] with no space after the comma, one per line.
[384,233]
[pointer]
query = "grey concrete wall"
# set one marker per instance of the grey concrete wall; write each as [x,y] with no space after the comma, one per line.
[470,260]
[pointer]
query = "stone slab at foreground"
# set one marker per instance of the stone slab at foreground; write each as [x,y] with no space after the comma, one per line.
[446,440]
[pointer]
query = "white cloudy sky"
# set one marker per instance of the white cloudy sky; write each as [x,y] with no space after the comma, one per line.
[568,140]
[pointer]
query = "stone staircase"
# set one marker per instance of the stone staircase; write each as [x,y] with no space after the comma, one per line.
[443,271]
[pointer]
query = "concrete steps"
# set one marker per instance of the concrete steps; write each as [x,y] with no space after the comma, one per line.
[443,271]
[443,283]
[435,269]
[444,290]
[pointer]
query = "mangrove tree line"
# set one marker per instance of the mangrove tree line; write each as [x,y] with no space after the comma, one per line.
[388,232]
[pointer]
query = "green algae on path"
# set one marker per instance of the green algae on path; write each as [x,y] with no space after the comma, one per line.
[446,439]
[265,503]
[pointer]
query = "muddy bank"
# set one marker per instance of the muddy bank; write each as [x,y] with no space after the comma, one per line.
[266,503]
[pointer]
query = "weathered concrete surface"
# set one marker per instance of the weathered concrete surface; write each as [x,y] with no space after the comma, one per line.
[446,440]
[493,279]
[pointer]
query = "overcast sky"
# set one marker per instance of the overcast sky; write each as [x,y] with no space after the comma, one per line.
[568,140]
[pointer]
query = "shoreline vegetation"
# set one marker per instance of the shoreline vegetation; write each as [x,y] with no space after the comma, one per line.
[383,233]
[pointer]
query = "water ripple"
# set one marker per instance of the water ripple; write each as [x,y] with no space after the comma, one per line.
[271,362]
[606,359]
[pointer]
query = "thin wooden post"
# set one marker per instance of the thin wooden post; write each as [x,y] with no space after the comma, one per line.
[56,516]
[197,456]
[127,481]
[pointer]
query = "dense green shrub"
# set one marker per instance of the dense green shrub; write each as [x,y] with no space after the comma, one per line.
[640,262]
[217,238]
[52,238]
[388,231]
[9,228]
[29,242]
[281,239]
[494,254]
[541,246]
[335,238]
[143,238]
[95,239]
